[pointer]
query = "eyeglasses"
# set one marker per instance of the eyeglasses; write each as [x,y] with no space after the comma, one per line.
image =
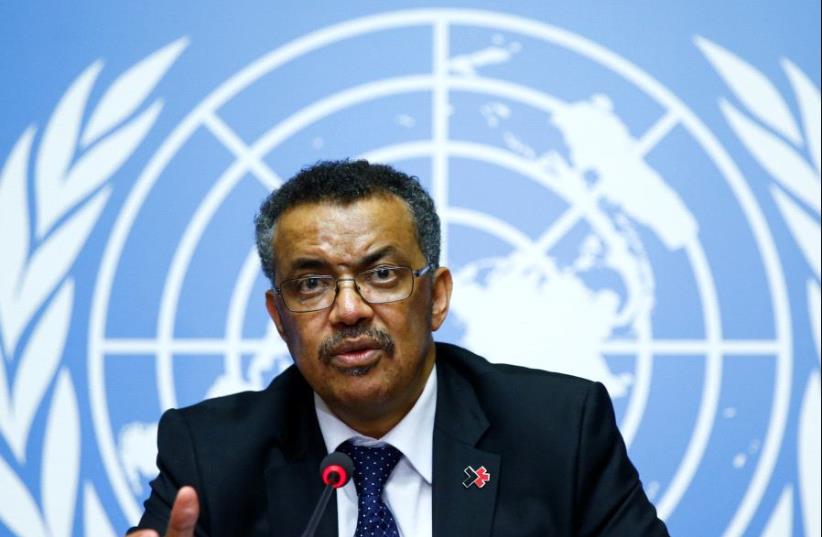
[379,285]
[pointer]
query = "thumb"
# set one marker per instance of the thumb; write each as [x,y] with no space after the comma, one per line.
[184,514]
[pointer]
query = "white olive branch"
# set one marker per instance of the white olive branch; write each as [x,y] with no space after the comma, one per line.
[791,156]
[70,185]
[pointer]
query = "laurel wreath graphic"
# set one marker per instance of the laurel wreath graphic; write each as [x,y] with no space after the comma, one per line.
[776,142]
[40,240]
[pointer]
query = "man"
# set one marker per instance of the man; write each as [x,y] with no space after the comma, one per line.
[444,443]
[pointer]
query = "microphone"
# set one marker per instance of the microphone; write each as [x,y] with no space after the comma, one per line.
[335,471]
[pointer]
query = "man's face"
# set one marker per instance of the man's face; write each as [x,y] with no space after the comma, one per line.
[368,362]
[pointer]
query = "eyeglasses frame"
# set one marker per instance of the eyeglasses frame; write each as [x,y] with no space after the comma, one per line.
[414,273]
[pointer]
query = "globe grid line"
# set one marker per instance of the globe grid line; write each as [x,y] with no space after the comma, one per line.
[562,225]
[440,119]
[711,386]
[232,141]
[656,133]
[704,137]
[240,297]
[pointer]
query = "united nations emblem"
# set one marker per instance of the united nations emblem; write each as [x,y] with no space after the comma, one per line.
[579,241]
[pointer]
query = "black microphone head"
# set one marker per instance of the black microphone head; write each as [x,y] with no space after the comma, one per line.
[336,469]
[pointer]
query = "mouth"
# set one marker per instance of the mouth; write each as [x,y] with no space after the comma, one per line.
[356,356]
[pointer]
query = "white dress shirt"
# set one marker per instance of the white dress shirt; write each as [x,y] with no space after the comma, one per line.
[407,492]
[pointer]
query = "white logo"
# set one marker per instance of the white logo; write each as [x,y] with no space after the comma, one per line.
[583,287]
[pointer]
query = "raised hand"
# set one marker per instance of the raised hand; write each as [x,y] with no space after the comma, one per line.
[183,519]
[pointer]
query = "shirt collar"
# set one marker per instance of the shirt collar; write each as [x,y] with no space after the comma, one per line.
[413,435]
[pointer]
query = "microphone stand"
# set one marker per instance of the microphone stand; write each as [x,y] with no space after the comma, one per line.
[314,521]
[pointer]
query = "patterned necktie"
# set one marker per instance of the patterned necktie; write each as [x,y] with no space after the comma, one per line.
[372,466]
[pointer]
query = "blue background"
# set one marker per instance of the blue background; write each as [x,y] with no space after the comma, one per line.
[47,44]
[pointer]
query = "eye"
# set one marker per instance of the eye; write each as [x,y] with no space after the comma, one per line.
[382,277]
[311,285]
[383,273]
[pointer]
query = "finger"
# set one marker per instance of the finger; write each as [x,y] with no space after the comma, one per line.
[184,514]
[143,533]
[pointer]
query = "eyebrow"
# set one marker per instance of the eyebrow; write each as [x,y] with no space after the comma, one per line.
[314,263]
[373,257]
[304,263]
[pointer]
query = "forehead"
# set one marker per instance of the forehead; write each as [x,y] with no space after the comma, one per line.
[345,233]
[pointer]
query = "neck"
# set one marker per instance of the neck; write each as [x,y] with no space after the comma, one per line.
[373,429]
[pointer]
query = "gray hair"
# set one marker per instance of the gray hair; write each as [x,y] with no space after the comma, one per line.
[344,182]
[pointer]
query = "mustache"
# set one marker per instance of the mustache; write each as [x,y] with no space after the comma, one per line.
[372,336]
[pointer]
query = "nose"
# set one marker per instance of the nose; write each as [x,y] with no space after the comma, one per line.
[349,308]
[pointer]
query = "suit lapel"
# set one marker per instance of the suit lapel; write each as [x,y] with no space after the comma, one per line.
[292,477]
[459,425]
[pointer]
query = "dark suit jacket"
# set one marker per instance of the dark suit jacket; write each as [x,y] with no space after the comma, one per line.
[557,462]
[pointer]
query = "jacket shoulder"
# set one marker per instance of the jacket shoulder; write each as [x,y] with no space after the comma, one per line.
[520,402]
[479,369]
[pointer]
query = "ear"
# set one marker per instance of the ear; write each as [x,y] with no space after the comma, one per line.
[441,287]
[271,304]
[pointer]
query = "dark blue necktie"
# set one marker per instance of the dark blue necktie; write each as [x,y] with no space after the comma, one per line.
[372,466]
